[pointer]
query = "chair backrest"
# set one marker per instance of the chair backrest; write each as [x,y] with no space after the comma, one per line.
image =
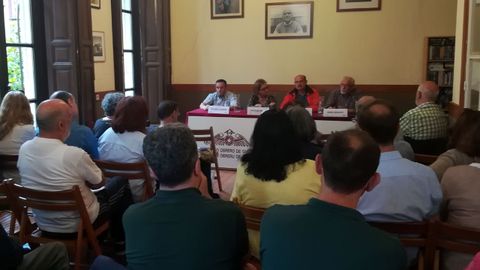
[253,216]
[5,204]
[411,234]
[23,198]
[425,159]
[137,170]
[456,238]
[207,136]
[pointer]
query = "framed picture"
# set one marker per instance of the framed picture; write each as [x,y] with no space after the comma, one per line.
[289,20]
[358,5]
[95,3]
[226,9]
[98,46]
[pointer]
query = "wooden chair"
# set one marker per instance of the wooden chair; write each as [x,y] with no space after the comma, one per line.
[253,216]
[68,200]
[425,159]
[412,234]
[132,171]
[7,214]
[206,136]
[448,237]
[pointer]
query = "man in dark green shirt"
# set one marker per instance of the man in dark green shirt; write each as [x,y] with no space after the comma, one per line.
[327,232]
[180,228]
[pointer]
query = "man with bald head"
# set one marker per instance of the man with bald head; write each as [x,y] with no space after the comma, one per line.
[302,94]
[425,126]
[345,97]
[80,135]
[46,163]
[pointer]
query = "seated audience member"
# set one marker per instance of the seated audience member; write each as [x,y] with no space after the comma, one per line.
[345,97]
[462,144]
[408,191]
[260,96]
[221,97]
[109,103]
[328,232]
[425,126]
[302,95]
[179,228]
[461,202]
[167,112]
[16,127]
[399,142]
[46,163]
[123,141]
[49,256]
[80,136]
[274,171]
[306,131]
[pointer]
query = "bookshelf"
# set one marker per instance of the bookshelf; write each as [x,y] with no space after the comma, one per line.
[439,68]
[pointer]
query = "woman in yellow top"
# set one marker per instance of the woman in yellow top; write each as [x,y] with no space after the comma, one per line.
[273,170]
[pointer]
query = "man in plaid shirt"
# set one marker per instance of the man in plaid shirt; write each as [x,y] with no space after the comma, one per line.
[425,126]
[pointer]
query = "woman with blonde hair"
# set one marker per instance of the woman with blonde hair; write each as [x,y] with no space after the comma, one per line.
[16,126]
[16,123]
[260,96]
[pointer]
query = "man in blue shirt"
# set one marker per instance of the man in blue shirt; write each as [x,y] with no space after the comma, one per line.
[221,97]
[80,136]
[408,191]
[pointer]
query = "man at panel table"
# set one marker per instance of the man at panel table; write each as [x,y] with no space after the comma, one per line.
[221,97]
[302,94]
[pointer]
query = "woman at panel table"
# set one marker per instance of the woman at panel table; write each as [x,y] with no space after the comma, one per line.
[273,171]
[260,96]
[16,127]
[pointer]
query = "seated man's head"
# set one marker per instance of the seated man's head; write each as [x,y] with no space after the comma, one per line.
[287,16]
[221,87]
[172,154]
[67,98]
[347,84]
[54,118]
[426,92]
[349,162]
[300,82]
[168,112]
[110,101]
[381,120]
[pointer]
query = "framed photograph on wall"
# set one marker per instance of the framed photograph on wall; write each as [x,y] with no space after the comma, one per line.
[289,20]
[226,9]
[95,3]
[358,5]
[98,46]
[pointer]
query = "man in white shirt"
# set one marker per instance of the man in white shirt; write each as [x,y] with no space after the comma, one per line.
[47,163]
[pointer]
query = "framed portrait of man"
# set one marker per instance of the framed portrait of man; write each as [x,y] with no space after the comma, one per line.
[289,20]
[358,5]
[226,9]
[98,39]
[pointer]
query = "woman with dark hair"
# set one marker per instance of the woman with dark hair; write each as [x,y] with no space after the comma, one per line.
[273,170]
[306,130]
[16,126]
[464,144]
[123,142]
[109,103]
[260,96]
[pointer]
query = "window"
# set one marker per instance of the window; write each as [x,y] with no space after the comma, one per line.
[128,49]
[19,47]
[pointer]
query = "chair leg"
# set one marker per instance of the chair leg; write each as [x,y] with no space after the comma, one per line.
[78,247]
[13,222]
